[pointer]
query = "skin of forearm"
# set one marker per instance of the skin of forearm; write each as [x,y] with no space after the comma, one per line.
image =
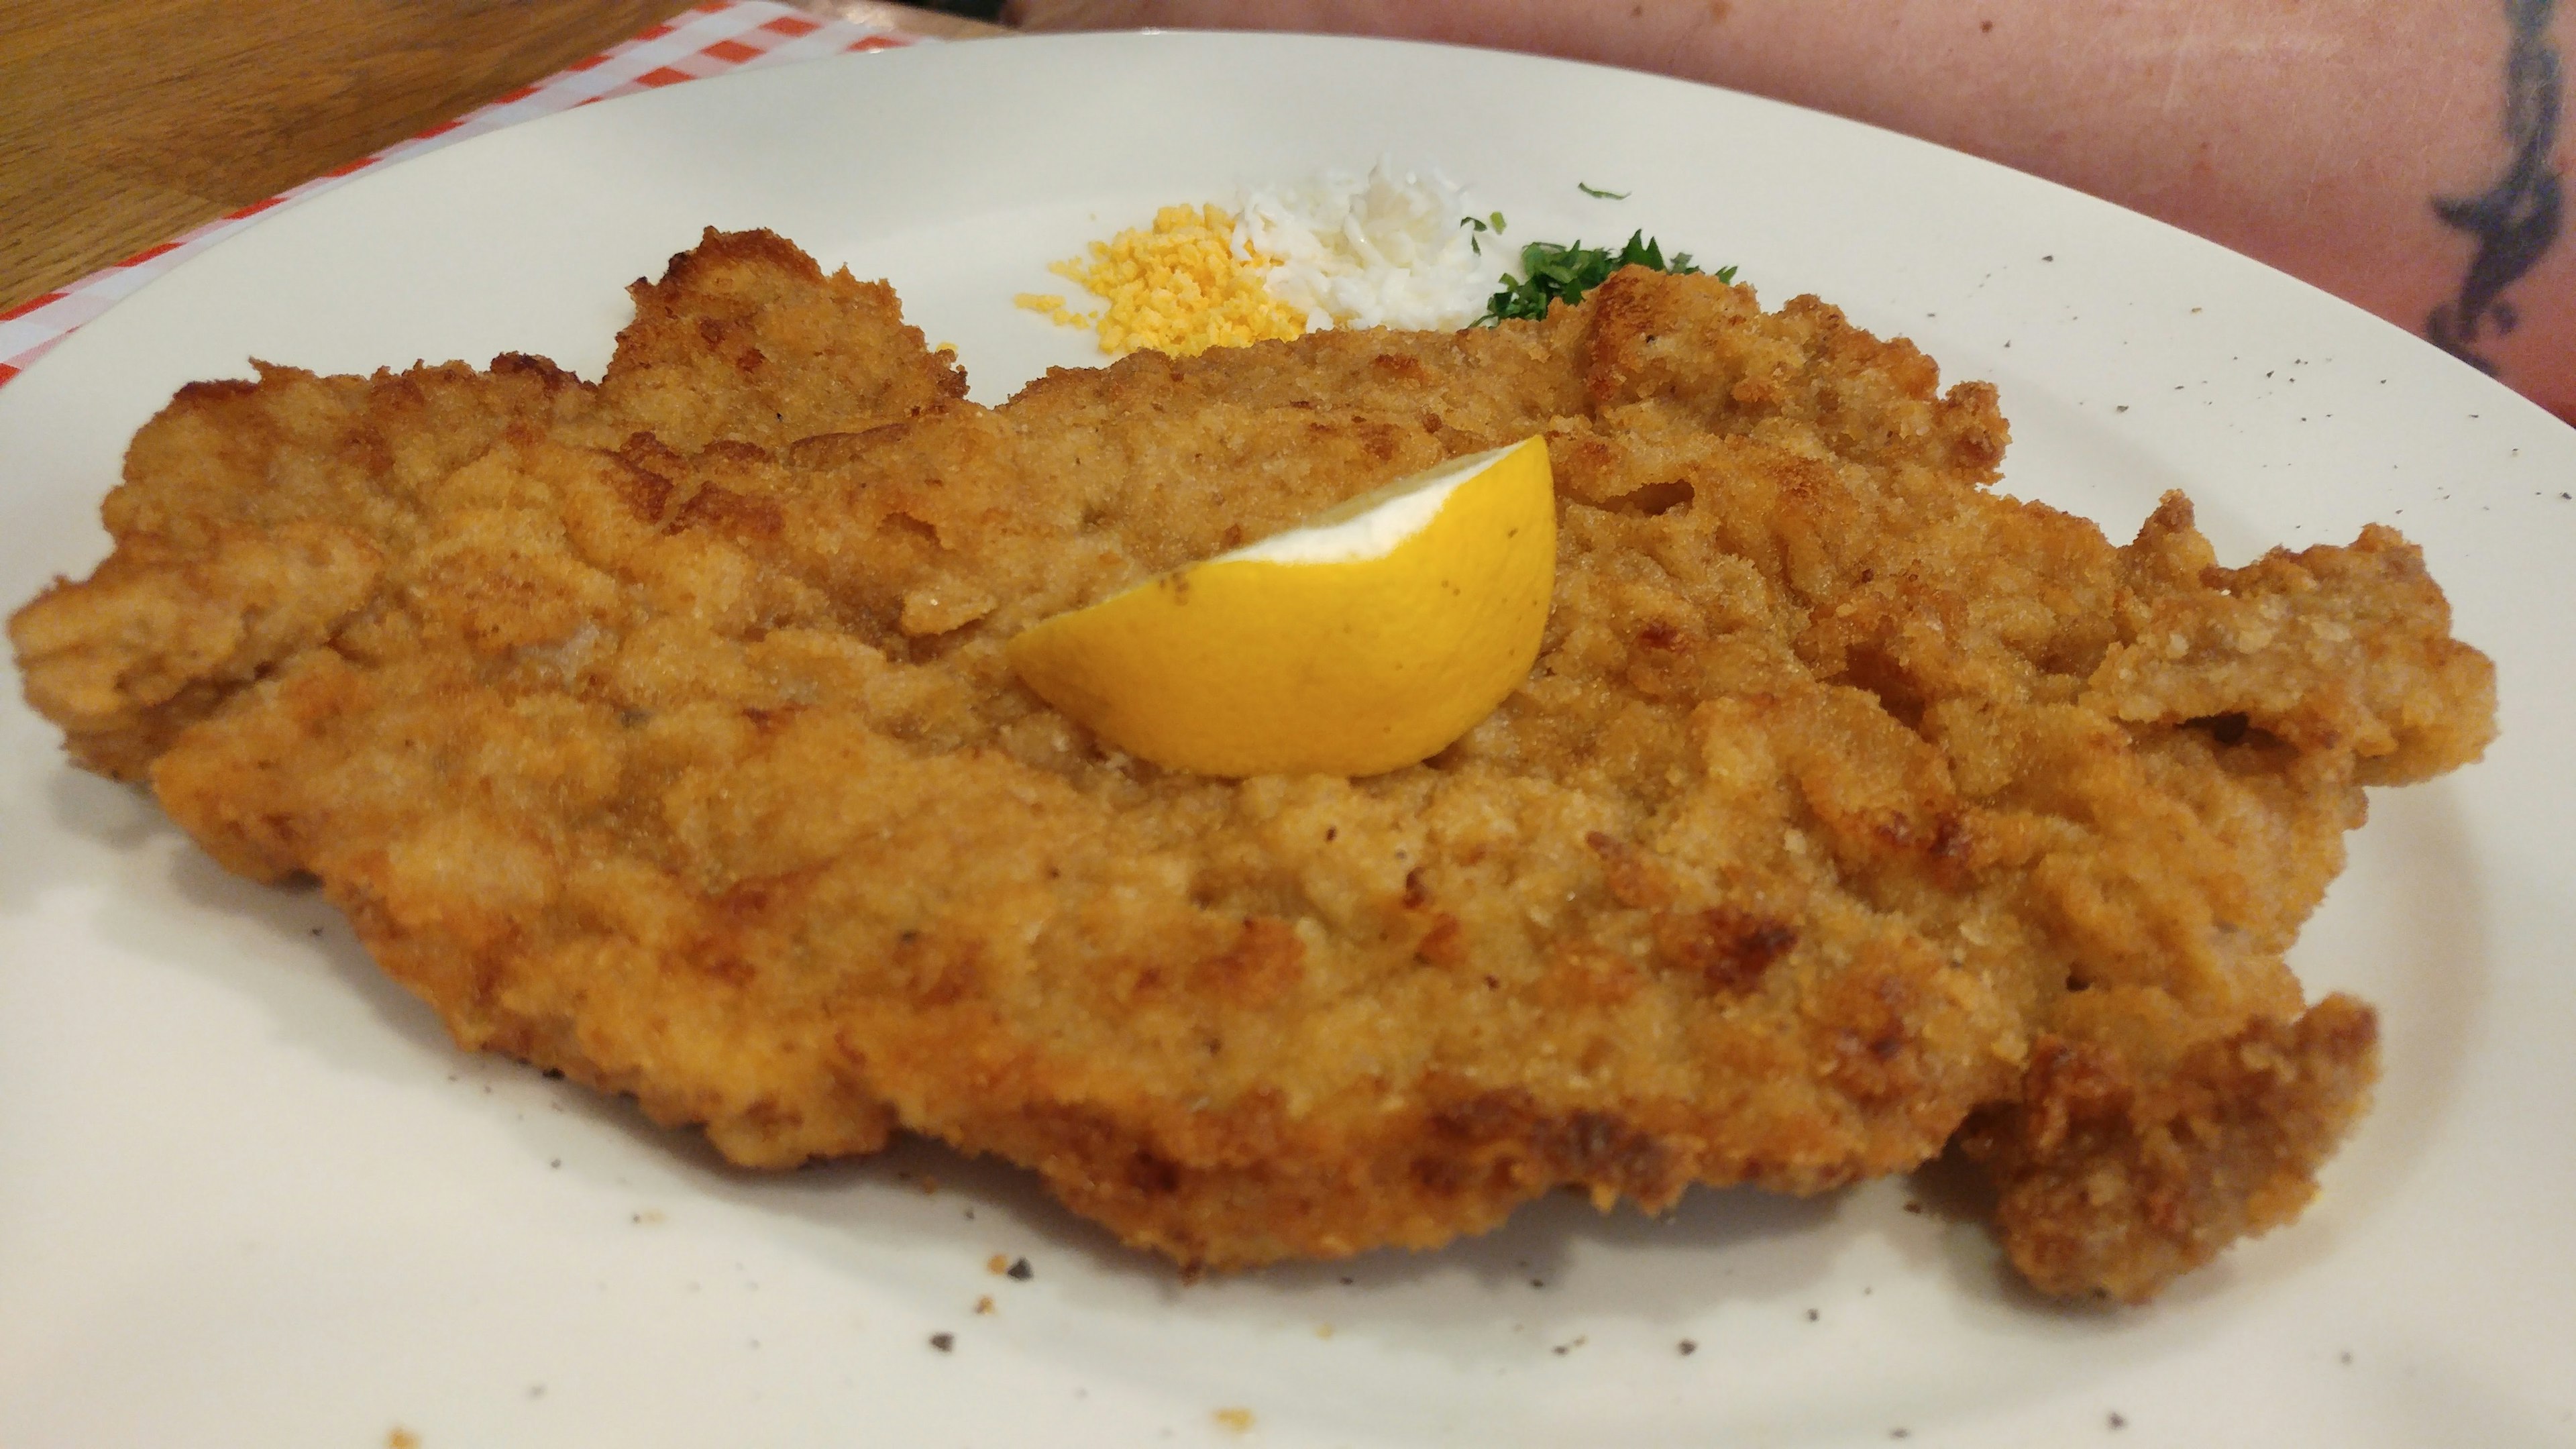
[2317,136]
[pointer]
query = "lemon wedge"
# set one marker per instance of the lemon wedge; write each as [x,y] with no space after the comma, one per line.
[1360,642]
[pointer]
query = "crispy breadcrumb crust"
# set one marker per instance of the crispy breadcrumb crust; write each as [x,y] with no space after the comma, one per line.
[745,339]
[659,733]
[2115,1179]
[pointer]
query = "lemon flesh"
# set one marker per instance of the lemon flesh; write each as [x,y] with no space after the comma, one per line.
[1364,641]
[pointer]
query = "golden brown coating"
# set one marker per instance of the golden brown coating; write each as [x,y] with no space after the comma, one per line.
[2114,1179]
[1847,798]
[745,338]
[255,517]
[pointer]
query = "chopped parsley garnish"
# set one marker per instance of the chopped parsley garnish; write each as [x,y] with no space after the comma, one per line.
[1476,243]
[1597,191]
[1565,273]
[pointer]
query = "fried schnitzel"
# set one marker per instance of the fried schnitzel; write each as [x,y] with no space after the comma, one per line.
[257,517]
[659,732]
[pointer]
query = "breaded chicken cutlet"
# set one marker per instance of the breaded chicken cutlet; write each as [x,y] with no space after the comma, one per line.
[659,732]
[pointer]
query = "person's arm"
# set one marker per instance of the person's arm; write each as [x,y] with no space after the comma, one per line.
[2404,154]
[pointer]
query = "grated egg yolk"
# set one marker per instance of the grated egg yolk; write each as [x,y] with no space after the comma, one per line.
[1178,288]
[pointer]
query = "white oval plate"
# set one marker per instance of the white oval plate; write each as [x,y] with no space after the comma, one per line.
[250,1195]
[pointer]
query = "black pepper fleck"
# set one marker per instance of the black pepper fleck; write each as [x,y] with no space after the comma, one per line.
[1813,1315]
[1021,1271]
[2118,1423]
[944,1342]
[1688,1347]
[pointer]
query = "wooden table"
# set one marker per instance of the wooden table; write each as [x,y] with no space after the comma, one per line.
[126,122]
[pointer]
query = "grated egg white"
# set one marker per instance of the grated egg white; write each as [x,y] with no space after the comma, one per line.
[1377,250]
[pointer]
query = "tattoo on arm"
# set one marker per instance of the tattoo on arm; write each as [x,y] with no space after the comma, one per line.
[2517,219]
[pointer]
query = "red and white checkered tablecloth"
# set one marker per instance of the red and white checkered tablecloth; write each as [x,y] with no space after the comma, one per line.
[716,37]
